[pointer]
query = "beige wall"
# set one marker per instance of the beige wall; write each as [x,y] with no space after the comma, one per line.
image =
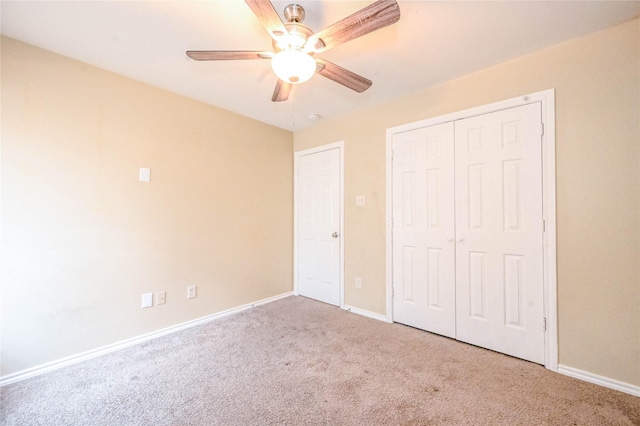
[597,82]
[83,238]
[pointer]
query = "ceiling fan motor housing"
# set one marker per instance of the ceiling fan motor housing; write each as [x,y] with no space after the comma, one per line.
[294,13]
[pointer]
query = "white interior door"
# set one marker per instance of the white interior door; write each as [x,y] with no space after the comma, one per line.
[499,245]
[318,225]
[423,229]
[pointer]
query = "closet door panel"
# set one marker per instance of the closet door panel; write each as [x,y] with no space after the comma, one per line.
[499,246]
[423,229]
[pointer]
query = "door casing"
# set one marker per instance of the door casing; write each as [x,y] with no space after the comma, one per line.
[547,100]
[296,160]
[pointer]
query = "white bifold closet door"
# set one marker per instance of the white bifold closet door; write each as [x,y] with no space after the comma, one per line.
[423,229]
[499,263]
[492,231]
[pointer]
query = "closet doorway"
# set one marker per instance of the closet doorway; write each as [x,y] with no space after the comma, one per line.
[468,230]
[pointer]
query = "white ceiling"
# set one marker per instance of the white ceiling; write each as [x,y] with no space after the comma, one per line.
[433,42]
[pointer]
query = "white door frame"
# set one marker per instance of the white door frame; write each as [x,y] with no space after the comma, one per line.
[296,159]
[547,100]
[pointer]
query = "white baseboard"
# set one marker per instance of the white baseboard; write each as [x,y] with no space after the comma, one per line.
[367,314]
[94,353]
[599,380]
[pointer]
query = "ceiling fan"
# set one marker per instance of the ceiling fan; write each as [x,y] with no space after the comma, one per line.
[295,44]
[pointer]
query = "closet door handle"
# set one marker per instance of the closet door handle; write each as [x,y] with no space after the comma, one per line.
[461,240]
[450,239]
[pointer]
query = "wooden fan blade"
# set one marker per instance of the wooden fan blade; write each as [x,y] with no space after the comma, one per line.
[342,76]
[282,91]
[373,17]
[224,55]
[266,13]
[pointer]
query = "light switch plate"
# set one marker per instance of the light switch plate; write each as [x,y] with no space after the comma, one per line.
[145,174]
[147,300]
[191,292]
[360,200]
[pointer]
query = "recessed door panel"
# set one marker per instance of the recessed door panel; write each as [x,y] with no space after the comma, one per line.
[408,278]
[512,193]
[477,288]
[435,279]
[513,290]
[434,195]
[326,206]
[476,187]
[408,195]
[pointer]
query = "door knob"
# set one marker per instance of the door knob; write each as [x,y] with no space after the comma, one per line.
[334,235]
[461,240]
[450,239]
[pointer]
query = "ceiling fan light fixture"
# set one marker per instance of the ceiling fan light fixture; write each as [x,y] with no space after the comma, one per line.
[294,44]
[293,66]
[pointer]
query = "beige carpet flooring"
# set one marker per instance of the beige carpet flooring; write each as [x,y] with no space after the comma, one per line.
[301,362]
